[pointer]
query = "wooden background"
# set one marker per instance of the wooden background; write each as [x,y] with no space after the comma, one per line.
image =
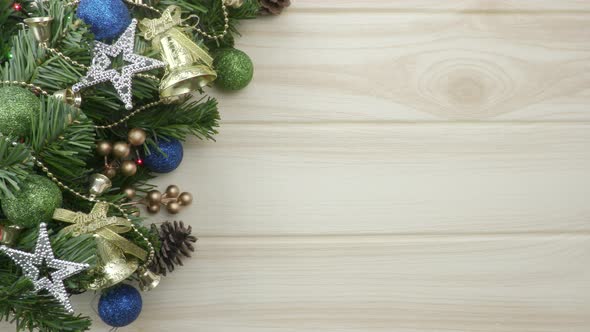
[394,166]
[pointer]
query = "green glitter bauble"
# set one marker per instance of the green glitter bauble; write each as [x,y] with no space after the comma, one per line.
[18,106]
[234,69]
[34,203]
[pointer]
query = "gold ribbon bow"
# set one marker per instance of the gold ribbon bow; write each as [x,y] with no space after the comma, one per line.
[98,223]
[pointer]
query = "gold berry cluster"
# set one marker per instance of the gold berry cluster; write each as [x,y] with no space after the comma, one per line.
[120,153]
[172,199]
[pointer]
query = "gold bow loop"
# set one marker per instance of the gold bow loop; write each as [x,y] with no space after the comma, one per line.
[171,17]
[99,224]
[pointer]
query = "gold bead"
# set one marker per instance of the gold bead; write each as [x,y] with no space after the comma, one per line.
[136,136]
[121,150]
[185,199]
[154,197]
[173,207]
[153,208]
[128,168]
[104,148]
[110,172]
[172,191]
[129,192]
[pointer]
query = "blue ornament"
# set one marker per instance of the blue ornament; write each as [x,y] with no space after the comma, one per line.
[167,162]
[120,305]
[107,18]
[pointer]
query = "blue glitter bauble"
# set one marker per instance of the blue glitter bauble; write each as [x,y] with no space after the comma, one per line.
[167,162]
[107,18]
[120,305]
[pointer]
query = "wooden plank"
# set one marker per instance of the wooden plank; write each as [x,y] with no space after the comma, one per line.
[366,284]
[435,6]
[389,178]
[382,65]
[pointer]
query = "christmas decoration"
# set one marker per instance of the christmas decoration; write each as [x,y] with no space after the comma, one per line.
[120,305]
[101,70]
[34,203]
[41,28]
[136,136]
[69,97]
[273,7]
[112,246]
[167,159]
[18,106]
[234,69]
[99,184]
[148,280]
[82,141]
[234,3]
[172,199]
[107,18]
[121,150]
[177,242]
[189,66]
[43,256]
[9,234]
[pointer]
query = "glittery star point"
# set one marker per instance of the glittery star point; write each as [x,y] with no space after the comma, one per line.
[100,71]
[43,256]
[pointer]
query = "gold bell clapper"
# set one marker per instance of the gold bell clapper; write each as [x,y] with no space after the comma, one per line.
[99,183]
[189,67]
[40,27]
[9,234]
[69,97]
[148,280]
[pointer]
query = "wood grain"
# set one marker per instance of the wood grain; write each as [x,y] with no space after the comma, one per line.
[376,283]
[283,179]
[375,65]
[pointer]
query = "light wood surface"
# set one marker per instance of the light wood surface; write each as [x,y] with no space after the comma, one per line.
[407,166]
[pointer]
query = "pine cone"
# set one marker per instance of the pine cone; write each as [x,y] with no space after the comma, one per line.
[177,242]
[273,7]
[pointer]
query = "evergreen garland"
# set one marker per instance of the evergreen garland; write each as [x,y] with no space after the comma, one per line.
[64,137]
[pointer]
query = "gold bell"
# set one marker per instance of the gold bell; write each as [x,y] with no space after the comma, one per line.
[184,73]
[189,66]
[113,265]
[148,280]
[99,183]
[41,28]
[69,97]
[9,234]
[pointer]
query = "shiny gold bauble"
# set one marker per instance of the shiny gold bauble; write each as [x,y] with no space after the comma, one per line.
[104,148]
[153,208]
[154,197]
[185,199]
[173,207]
[121,150]
[136,136]
[129,192]
[172,191]
[128,168]
[110,172]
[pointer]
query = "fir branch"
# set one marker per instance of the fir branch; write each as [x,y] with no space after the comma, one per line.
[14,162]
[63,138]
[198,118]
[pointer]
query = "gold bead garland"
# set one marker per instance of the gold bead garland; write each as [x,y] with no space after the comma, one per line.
[90,198]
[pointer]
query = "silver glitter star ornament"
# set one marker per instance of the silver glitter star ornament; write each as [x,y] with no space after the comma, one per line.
[100,71]
[30,263]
